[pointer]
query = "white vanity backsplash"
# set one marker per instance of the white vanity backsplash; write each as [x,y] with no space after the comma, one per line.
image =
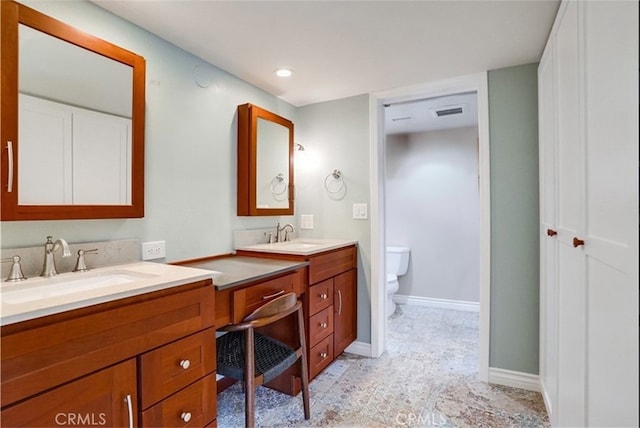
[109,253]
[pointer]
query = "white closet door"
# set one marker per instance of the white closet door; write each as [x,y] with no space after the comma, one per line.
[44,161]
[611,249]
[548,241]
[101,158]
[570,218]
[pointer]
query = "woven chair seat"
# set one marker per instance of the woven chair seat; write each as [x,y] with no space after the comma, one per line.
[272,357]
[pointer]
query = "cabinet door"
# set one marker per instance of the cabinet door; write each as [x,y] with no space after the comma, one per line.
[101,158]
[45,146]
[345,310]
[548,230]
[611,185]
[570,217]
[105,398]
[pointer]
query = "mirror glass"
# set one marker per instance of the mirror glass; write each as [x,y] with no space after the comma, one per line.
[272,165]
[74,124]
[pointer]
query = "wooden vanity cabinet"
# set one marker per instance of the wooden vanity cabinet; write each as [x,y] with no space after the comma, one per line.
[78,367]
[330,303]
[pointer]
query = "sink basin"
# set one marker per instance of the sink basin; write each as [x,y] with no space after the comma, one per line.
[62,287]
[301,245]
[304,246]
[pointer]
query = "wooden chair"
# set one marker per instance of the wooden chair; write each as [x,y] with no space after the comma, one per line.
[266,358]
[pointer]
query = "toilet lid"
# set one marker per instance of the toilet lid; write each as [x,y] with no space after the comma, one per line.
[391,277]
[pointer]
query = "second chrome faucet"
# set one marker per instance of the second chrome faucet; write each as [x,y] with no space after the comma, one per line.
[49,264]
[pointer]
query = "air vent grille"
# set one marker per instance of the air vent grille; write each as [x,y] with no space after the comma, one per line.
[449,111]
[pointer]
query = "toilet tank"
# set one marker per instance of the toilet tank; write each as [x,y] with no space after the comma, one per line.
[397,259]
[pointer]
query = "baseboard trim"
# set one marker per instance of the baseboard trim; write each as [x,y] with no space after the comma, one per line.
[546,399]
[359,348]
[514,379]
[458,305]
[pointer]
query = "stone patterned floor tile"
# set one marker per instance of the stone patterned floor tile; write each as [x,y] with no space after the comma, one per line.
[426,378]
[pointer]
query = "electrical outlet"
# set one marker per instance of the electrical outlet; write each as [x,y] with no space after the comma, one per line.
[153,250]
[306,221]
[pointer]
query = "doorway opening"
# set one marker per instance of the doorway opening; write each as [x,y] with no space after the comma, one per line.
[407,97]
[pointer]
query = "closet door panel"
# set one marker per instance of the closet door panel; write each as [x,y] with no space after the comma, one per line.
[570,207]
[570,221]
[571,337]
[548,243]
[611,147]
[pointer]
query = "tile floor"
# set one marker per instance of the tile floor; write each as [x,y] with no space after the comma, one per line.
[427,377]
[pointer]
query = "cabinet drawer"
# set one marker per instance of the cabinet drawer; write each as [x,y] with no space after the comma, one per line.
[320,325]
[320,356]
[249,299]
[320,296]
[193,406]
[167,369]
[325,266]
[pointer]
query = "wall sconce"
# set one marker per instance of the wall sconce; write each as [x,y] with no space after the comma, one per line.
[300,155]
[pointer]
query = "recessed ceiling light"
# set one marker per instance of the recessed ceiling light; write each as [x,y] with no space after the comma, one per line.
[284,72]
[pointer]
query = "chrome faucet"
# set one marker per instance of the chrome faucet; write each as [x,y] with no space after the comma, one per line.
[286,232]
[49,265]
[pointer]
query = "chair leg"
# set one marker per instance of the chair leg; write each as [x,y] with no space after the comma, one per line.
[305,371]
[249,390]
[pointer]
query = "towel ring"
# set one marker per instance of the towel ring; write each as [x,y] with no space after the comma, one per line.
[278,185]
[334,183]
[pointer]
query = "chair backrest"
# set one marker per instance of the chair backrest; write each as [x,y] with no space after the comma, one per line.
[274,310]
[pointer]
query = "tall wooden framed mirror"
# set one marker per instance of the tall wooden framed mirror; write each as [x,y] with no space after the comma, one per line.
[265,163]
[72,117]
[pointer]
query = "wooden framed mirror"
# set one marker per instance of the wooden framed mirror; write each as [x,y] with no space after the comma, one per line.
[72,116]
[265,163]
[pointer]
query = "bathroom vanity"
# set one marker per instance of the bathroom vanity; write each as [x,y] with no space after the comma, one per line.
[330,303]
[143,360]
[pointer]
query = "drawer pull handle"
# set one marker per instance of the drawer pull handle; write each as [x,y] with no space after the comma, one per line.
[577,242]
[10,166]
[273,295]
[323,324]
[185,416]
[184,364]
[551,232]
[323,355]
[324,296]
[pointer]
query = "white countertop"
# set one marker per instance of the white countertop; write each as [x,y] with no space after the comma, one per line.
[37,297]
[300,246]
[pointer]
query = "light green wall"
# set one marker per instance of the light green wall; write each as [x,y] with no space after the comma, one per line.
[513,123]
[190,148]
[335,135]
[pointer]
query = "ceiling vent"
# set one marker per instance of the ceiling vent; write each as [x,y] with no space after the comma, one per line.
[449,111]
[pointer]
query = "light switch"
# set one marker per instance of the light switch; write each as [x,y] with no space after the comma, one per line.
[306,221]
[360,211]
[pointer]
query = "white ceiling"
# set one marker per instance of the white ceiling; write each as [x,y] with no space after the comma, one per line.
[344,48]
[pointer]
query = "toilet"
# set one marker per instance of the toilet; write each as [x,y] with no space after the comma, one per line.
[397,260]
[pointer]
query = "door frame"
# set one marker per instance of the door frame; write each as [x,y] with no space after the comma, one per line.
[471,83]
